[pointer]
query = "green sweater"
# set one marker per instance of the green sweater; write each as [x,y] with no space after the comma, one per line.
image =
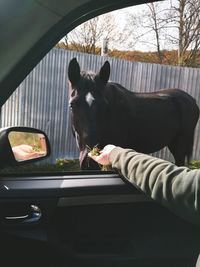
[177,188]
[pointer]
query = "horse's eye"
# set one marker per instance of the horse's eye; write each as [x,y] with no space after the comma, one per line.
[73,93]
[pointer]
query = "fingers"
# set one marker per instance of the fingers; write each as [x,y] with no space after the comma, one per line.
[98,158]
[103,158]
[108,148]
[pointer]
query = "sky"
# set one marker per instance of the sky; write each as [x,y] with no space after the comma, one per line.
[139,11]
[145,43]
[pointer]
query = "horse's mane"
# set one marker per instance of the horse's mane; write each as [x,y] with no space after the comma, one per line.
[117,91]
[88,75]
[88,80]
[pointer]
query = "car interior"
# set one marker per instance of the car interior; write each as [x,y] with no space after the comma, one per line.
[88,218]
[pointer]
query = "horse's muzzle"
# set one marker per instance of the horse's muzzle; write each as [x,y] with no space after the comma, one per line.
[87,163]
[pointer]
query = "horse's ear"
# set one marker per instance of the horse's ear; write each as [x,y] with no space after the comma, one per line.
[74,71]
[104,73]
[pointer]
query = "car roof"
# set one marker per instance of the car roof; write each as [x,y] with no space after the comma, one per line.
[30,28]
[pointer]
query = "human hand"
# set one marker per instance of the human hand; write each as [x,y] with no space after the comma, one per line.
[26,152]
[103,157]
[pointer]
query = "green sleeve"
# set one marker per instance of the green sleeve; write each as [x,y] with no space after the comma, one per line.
[177,188]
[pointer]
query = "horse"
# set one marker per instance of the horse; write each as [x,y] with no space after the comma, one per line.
[104,112]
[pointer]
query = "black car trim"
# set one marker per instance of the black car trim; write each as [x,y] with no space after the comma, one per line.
[62,186]
[107,199]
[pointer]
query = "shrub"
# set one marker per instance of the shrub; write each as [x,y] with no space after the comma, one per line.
[61,165]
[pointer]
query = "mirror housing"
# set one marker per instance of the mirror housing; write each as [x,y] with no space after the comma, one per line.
[21,145]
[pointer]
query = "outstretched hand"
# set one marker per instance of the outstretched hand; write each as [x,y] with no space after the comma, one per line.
[103,157]
[26,152]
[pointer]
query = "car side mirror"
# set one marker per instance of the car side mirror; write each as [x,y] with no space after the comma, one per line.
[21,145]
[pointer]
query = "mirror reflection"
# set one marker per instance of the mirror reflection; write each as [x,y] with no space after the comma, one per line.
[27,146]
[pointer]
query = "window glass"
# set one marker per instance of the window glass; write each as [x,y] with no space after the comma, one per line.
[146,50]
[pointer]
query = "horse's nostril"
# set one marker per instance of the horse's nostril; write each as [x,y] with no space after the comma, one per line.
[71,105]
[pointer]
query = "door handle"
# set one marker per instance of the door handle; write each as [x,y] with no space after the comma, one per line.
[33,216]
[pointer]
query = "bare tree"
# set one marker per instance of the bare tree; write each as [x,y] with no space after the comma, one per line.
[88,36]
[174,22]
[183,30]
[185,18]
[150,27]
[157,24]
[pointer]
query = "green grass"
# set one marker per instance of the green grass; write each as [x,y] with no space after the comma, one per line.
[61,165]
[19,138]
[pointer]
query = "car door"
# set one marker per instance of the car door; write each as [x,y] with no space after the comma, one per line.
[83,218]
[89,220]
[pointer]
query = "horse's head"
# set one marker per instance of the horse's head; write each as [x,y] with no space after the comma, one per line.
[88,107]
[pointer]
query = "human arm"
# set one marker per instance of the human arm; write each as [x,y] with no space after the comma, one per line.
[177,188]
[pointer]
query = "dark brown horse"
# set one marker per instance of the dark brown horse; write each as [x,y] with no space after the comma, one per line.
[106,113]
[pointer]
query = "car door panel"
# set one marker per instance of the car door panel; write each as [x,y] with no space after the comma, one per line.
[92,220]
[131,234]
